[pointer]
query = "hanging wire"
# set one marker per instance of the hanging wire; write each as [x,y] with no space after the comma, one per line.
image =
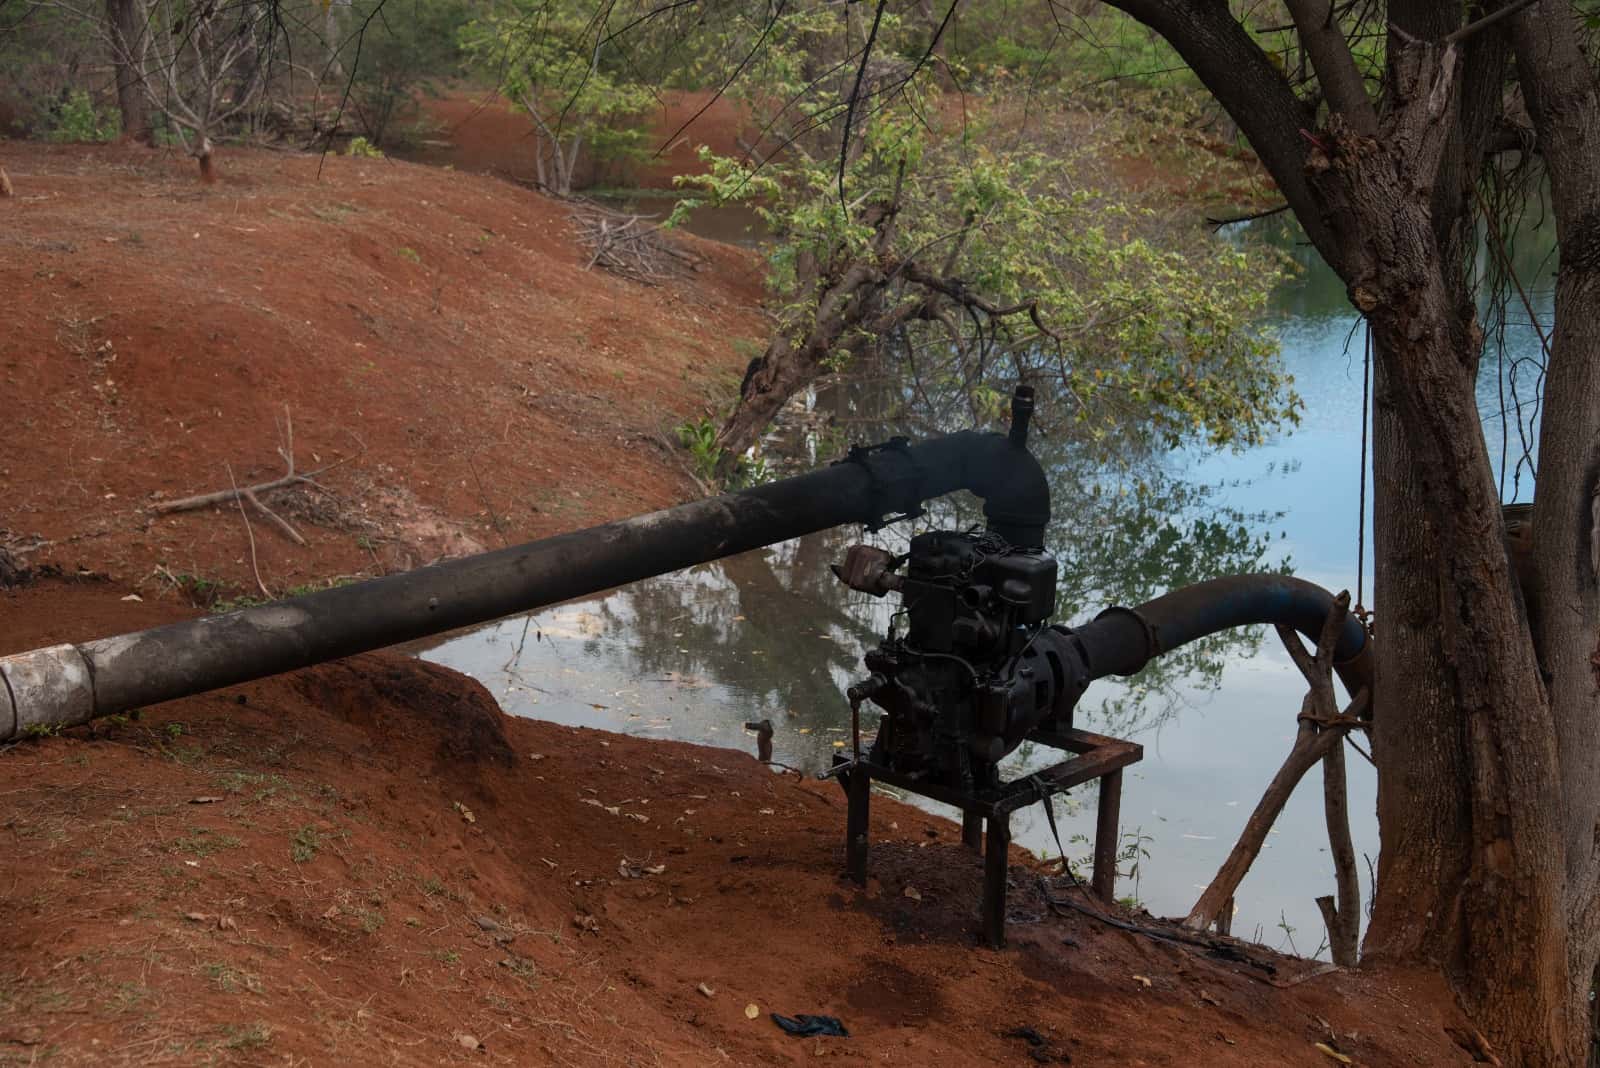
[1361,611]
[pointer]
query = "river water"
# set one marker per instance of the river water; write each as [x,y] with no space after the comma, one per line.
[771,634]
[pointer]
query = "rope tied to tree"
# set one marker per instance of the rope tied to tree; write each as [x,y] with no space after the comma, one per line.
[1360,611]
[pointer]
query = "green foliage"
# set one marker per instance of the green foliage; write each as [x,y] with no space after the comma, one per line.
[361,148]
[1147,329]
[556,60]
[203,842]
[305,845]
[76,119]
[404,52]
[1035,43]
[240,1037]
[45,51]
[699,436]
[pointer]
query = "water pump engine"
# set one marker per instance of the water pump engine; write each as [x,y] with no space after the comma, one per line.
[977,667]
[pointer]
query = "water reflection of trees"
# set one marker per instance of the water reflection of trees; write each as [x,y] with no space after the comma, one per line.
[776,628]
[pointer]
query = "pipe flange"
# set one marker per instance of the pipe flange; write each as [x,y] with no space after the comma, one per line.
[51,687]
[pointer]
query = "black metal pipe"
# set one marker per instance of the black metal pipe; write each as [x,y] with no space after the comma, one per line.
[1120,641]
[70,684]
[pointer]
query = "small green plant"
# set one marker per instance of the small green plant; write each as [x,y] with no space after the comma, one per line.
[699,436]
[41,730]
[447,956]
[1133,851]
[125,997]
[361,148]
[410,254]
[174,730]
[252,1037]
[306,844]
[231,980]
[77,119]
[521,967]
[203,843]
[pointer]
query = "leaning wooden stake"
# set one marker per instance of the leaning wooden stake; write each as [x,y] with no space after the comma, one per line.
[5,184]
[1342,915]
[1322,730]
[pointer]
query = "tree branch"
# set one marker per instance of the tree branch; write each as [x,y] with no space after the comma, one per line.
[1341,82]
[1258,97]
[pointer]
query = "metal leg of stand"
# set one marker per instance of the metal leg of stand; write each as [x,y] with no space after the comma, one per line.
[995,862]
[971,830]
[856,819]
[1107,833]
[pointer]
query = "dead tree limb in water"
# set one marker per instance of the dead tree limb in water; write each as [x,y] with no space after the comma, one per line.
[1322,731]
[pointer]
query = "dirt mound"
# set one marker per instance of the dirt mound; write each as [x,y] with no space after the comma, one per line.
[367,691]
[365,863]
[447,363]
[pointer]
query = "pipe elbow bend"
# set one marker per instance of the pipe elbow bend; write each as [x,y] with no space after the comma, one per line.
[1012,483]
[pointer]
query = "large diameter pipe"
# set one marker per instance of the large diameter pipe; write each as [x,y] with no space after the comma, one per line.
[70,684]
[1122,640]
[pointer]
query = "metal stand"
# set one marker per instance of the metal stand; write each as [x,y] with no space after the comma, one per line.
[1098,757]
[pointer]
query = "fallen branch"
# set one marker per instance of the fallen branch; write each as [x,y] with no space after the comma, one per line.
[205,500]
[629,245]
[1322,730]
[254,569]
[290,477]
[283,524]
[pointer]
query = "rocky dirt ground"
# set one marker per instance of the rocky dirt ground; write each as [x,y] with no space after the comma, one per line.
[367,862]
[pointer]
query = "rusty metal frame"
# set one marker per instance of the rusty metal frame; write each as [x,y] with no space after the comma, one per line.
[1096,757]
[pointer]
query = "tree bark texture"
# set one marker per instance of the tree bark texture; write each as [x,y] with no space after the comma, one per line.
[126,21]
[1563,94]
[791,362]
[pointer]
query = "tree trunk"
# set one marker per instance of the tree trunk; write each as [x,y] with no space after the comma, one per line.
[788,364]
[1479,817]
[1499,930]
[1416,733]
[1563,95]
[125,19]
[202,153]
[332,41]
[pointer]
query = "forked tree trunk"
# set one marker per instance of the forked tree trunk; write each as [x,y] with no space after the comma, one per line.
[790,363]
[1488,754]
